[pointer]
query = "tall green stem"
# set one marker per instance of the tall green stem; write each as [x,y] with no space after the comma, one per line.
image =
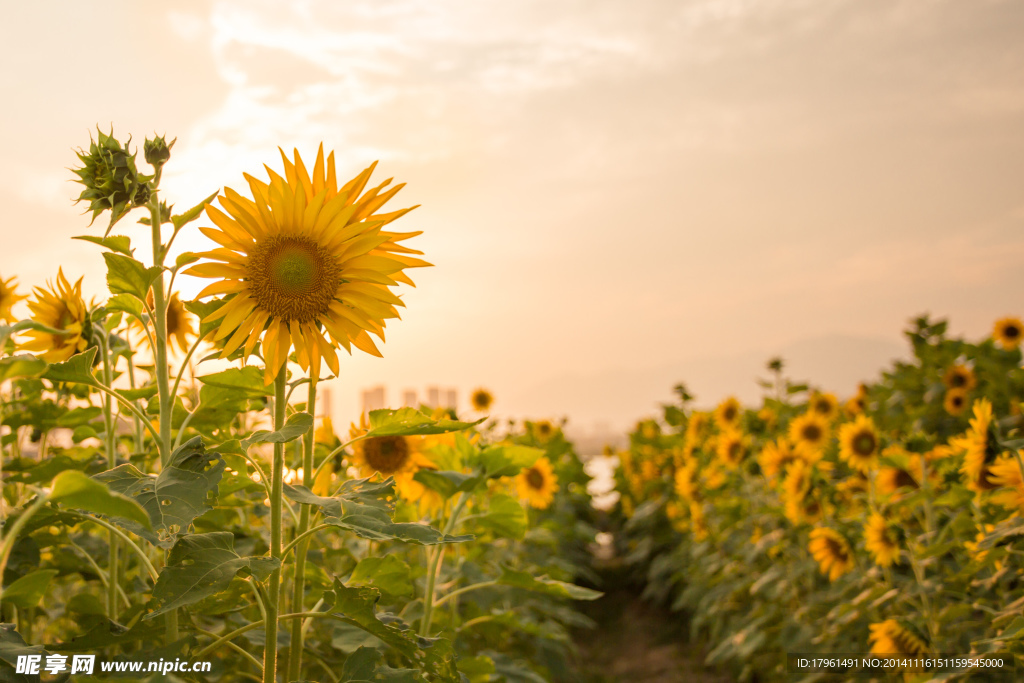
[434,565]
[299,581]
[276,495]
[113,567]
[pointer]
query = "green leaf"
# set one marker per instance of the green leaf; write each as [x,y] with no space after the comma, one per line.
[505,517]
[140,393]
[247,381]
[27,591]
[46,470]
[508,461]
[409,422]
[175,497]
[447,483]
[126,303]
[118,243]
[357,606]
[184,259]
[78,368]
[7,330]
[74,489]
[125,275]
[107,633]
[12,646]
[22,365]
[79,416]
[367,664]
[201,565]
[202,309]
[388,573]
[360,507]
[542,584]
[294,427]
[193,213]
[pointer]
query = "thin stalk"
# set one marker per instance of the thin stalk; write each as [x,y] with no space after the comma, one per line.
[299,578]
[8,539]
[100,573]
[465,589]
[188,357]
[136,423]
[146,562]
[131,408]
[237,648]
[304,536]
[256,624]
[110,442]
[276,495]
[434,562]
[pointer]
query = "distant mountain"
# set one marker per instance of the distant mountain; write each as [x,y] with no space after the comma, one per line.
[618,397]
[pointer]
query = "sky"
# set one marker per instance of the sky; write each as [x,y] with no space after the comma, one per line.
[615,196]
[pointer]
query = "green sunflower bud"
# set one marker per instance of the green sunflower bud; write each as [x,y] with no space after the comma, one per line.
[157,151]
[111,180]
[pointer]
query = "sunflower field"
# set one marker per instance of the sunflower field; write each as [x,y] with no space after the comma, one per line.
[168,495]
[887,523]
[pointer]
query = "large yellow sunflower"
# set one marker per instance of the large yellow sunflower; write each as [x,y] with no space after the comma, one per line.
[831,551]
[391,456]
[809,430]
[1008,332]
[8,297]
[880,541]
[62,308]
[891,638]
[303,258]
[537,484]
[858,443]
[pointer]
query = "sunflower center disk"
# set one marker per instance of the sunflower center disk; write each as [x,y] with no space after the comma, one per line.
[293,278]
[534,478]
[386,454]
[864,444]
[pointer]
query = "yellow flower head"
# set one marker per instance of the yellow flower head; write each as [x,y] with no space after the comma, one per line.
[391,456]
[179,323]
[776,456]
[8,297]
[858,443]
[1007,332]
[304,259]
[542,430]
[955,401]
[324,434]
[979,454]
[698,523]
[891,638]
[825,405]
[809,430]
[858,403]
[696,425]
[1006,474]
[731,448]
[769,417]
[537,484]
[728,412]
[686,481]
[831,551]
[61,308]
[880,541]
[481,399]
[960,377]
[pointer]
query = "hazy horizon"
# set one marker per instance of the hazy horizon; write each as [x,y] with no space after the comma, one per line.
[609,192]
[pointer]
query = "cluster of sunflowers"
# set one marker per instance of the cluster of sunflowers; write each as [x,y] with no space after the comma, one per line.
[891,523]
[163,495]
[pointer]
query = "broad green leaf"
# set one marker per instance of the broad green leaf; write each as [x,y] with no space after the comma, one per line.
[175,497]
[505,517]
[478,669]
[409,422]
[29,589]
[294,427]
[447,483]
[119,243]
[247,381]
[125,275]
[107,633]
[508,460]
[184,260]
[7,330]
[78,368]
[79,416]
[367,664]
[46,470]
[126,303]
[388,573]
[201,309]
[12,646]
[74,489]
[193,213]
[201,565]
[140,393]
[22,365]
[359,507]
[542,584]
[357,606]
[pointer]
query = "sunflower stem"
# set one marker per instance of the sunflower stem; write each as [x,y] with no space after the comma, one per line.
[434,565]
[110,444]
[299,580]
[276,494]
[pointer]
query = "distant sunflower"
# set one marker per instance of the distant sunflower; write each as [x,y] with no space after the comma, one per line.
[543,430]
[61,308]
[696,425]
[858,443]
[892,638]
[686,481]
[831,551]
[727,414]
[481,399]
[698,523]
[979,451]
[891,479]
[1006,474]
[8,297]
[776,456]
[1007,332]
[809,430]
[179,323]
[537,484]
[825,405]
[324,434]
[955,402]
[391,456]
[302,258]
[880,541]
[731,448]
[960,377]
[859,402]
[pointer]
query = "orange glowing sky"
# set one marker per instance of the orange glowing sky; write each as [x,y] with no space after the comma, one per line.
[617,196]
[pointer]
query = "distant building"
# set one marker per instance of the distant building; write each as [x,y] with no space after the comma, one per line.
[451,399]
[373,399]
[409,399]
[433,397]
